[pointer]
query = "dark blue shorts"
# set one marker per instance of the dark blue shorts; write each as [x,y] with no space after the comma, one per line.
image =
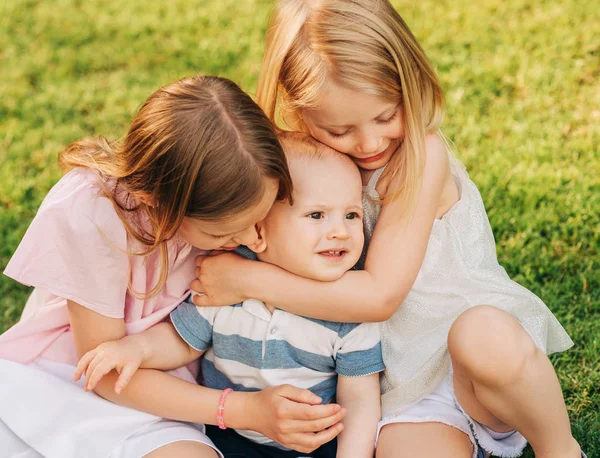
[232,445]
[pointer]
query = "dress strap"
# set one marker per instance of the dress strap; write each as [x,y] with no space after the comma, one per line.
[375,178]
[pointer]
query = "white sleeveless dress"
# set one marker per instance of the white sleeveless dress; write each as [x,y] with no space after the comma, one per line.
[460,270]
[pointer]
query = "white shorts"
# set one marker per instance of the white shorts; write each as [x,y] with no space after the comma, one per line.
[43,413]
[441,406]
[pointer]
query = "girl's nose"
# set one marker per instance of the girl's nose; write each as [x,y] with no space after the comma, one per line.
[368,144]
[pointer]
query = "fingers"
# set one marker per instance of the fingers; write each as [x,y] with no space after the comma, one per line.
[327,422]
[196,285]
[98,368]
[299,395]
[316,418]
[322,437]
[125,377]
[83,364]
[308,442]
[200,259]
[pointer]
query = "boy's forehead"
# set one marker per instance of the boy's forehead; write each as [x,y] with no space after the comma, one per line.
[323,181]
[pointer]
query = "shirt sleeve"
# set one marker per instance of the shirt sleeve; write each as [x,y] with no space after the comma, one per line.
[195,324]
[76,247]
[359,350]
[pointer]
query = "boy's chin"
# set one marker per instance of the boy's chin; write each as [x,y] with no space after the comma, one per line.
[332,275]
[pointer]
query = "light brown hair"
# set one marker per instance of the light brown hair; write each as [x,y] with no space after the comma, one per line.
[199,148]
[362,45]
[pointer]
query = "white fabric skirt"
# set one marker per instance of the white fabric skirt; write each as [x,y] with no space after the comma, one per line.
[44,413]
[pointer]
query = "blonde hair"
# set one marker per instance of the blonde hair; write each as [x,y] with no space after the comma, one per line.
[299,146]
[362,45]
[199,148]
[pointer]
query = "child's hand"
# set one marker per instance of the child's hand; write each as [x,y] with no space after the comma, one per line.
[219,279]
[295,418]
[125,356]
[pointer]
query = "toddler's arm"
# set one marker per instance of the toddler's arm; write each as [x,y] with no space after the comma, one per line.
[361,396]
[159,347]
[394,259]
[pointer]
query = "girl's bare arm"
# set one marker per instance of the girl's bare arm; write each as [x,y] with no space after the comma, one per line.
[393,261]
[286,414]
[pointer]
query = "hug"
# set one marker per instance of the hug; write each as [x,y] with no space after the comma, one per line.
[311,273]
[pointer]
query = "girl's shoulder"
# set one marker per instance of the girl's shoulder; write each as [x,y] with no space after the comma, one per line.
[79,200]
[437,162]
[77,186]
[75,246]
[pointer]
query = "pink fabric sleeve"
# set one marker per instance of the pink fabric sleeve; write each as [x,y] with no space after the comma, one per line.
[73,247]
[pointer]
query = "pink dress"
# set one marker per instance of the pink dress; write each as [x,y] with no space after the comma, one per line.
[76,248]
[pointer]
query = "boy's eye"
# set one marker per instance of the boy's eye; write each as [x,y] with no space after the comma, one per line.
[315,215]
[353,215]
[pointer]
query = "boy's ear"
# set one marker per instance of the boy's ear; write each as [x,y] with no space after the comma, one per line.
[261,243]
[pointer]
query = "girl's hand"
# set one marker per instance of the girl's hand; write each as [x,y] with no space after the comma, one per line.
[295,418]
[125,356]
[221,279]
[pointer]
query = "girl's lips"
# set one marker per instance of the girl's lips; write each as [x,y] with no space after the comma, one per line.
[228,248]
[372,158]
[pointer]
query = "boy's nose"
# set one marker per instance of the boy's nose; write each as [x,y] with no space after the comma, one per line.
[338,231]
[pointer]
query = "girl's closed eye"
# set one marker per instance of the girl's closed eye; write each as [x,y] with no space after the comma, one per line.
[388,120]
[220,236]
[336,135]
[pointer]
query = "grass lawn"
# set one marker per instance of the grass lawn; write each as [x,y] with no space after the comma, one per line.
[523,109]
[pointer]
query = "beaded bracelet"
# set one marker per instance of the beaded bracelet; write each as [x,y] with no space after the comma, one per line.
[221,408]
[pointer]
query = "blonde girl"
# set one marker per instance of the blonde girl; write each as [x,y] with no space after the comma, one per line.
[464,346]
[111,252]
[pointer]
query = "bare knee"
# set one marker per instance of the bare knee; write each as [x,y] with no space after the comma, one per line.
[490,345]
[423,440]
[184,449]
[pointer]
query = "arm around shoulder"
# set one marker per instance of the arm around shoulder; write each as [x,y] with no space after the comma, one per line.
[394,258]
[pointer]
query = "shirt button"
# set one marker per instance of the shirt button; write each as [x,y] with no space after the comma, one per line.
[273,331]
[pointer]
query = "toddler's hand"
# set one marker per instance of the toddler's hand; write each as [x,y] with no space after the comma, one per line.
[125,356]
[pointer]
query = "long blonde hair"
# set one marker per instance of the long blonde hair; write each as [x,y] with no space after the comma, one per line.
[362,45]
[199,148]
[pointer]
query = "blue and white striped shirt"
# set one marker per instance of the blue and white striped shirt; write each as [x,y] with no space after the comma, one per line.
[249,349]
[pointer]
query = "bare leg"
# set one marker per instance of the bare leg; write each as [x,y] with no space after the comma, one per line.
[423,440]
[505,382]
[184,449]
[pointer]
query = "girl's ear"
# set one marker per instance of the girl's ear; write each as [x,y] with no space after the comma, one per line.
[261,243]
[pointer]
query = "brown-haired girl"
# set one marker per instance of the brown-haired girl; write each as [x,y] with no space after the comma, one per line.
[111,252]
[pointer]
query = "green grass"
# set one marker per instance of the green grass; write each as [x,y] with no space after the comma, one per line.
[523,108]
